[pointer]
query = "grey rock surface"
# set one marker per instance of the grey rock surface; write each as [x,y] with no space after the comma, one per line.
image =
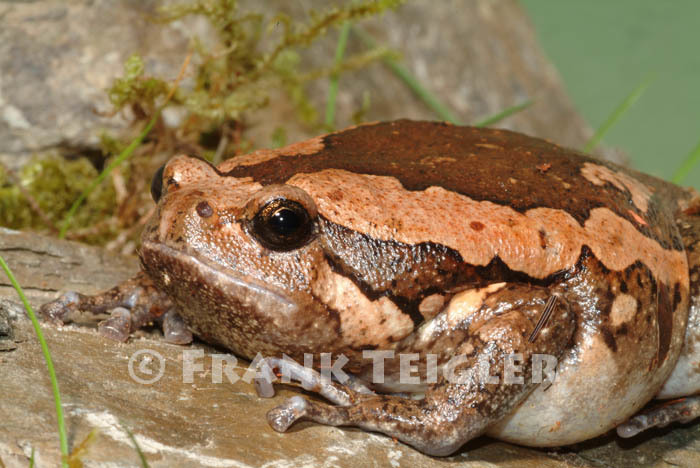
[58,58]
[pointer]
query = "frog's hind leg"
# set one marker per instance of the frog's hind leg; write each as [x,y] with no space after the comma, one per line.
[466,399]
[131,305]
[682,410]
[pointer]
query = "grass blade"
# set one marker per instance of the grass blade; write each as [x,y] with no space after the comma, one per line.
[507,112]
[335,78]
[142,457]
[49,363]
[616,115]
[423,94]
[80,450]
[690,161]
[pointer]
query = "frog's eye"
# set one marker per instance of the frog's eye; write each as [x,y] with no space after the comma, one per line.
[157,184]
[282,224]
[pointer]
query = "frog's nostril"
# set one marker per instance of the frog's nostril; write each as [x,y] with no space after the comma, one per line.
[204,209]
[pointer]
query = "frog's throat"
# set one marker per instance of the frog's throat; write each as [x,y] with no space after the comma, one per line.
[157,259]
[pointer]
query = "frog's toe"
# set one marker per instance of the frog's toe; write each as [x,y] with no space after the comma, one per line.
[59,310]
[297,408]
[357,385]
[272,370]
[118,326]
[174,329]
[683,410]
[286,414]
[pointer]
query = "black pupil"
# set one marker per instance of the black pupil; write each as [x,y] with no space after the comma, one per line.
[285,222]
[282,225]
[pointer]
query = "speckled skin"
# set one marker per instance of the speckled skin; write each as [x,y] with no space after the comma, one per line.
[436,239]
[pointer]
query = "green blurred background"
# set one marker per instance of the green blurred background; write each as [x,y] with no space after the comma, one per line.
[604,49]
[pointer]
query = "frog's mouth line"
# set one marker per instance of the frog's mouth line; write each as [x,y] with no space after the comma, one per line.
[248,292]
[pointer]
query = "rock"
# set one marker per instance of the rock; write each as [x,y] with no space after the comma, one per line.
[56,61]
[8,314]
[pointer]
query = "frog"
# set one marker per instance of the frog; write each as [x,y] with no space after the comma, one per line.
[433,241]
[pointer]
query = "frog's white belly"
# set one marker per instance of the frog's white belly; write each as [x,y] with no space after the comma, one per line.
[594,391]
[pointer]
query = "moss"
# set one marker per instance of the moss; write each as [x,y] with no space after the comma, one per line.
[53,183]
[278,137]
[134,87]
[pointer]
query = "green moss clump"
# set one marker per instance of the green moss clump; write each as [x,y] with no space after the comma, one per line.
[53,183]
[134,87]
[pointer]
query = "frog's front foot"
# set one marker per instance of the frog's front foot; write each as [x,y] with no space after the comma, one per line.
[682,410]
[134,304]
